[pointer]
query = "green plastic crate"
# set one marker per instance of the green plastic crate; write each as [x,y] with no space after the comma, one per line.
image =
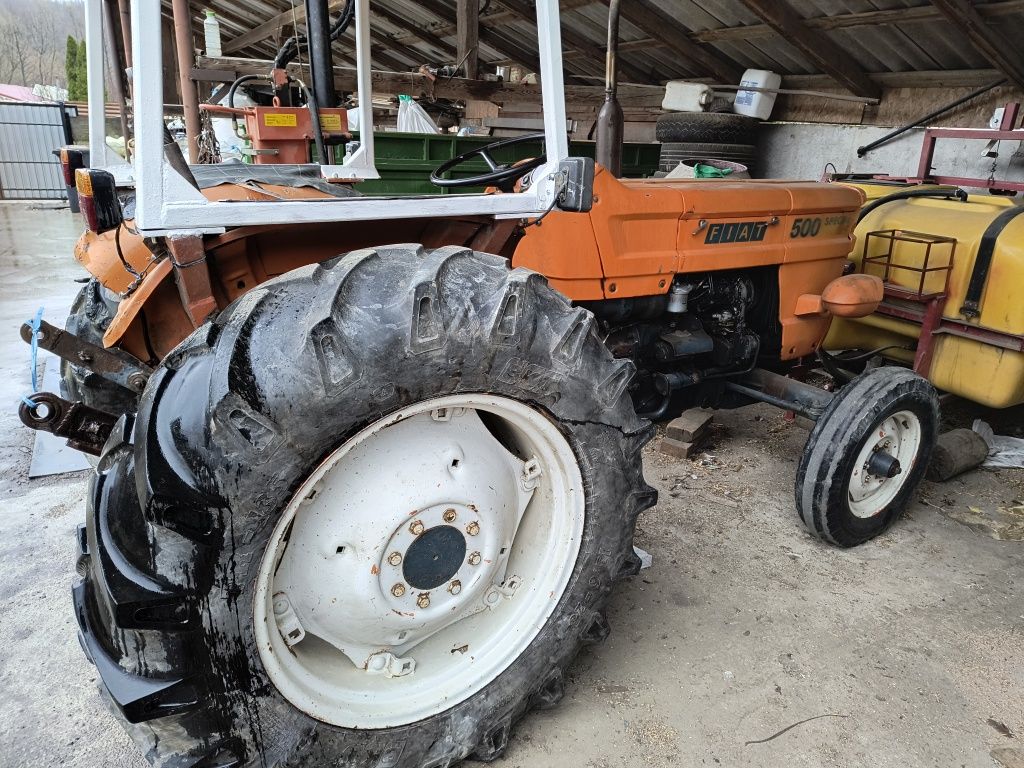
[405,160]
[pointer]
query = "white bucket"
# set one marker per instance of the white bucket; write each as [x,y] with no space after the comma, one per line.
[755,103]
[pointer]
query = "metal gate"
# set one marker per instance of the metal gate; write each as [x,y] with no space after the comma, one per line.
[29,133]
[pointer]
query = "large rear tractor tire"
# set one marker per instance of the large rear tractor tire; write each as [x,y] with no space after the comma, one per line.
[866,455]
[367,516]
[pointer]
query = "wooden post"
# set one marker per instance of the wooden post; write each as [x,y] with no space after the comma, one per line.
[185,46]
[468,21]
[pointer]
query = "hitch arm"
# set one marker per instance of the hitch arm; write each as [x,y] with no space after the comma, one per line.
[118,367]
[86,428]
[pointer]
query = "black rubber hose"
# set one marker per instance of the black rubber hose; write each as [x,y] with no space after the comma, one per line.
[290,48]
[318,129]
[235,85]
[946,192]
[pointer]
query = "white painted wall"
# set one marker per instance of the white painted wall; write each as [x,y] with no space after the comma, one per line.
[801,151]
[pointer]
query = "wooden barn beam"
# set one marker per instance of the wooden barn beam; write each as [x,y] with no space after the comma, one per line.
[823,52]
[669,30]
[467,15]
[1002,53]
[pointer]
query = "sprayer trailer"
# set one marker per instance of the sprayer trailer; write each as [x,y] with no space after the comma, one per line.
[369,467]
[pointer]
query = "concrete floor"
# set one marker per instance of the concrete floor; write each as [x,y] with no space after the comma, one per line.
[909,646]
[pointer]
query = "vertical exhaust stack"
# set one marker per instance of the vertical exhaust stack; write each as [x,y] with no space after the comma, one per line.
[610,119]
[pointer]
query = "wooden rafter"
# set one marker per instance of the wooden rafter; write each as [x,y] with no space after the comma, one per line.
[417,32]
[670,31]
[1002,53]
[859,19]
[823,52]
[586,48]
[490,37]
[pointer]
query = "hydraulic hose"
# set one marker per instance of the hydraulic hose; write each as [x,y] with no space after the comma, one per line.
[946,192]
[290,49]
[318,129]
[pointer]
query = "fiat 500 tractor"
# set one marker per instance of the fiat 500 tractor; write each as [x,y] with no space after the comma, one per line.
[369,466]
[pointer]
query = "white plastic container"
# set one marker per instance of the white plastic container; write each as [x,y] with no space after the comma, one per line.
[755,103]
[211,33]
[683,96]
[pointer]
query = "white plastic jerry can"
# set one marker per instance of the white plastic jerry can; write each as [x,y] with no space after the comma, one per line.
[684,96]
[755,103]
[211,34]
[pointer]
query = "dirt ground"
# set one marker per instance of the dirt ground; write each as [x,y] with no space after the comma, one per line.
[903,652]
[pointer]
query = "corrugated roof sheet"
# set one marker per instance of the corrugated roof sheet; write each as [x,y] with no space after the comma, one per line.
[923,41]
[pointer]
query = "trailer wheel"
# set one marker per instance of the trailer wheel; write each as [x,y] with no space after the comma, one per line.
[867,455]
[371,514]
[88,320]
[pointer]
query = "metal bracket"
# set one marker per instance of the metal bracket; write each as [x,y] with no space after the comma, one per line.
[118,367]
[86,428]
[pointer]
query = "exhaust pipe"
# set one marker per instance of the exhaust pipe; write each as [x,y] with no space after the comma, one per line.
[610,119]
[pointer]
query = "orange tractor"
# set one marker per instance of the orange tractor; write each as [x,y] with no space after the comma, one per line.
[366,508]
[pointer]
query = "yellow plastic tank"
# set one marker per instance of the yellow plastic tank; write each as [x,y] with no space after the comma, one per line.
[982,371]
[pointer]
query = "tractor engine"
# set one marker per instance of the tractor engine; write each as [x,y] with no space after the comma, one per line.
[709,326]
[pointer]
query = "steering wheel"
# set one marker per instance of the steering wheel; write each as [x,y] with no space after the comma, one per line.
[504,177]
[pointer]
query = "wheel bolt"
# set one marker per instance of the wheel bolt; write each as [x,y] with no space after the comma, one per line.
[449,515]
[455,587]
[280,607]
[473,528]
[395,558]
[398,590]
[474,558]
[423,601]
[416,527]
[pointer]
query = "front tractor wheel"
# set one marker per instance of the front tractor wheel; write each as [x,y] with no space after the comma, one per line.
[866,455]
[367,516]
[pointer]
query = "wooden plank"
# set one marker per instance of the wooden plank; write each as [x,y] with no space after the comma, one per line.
[954,78]
[860,19]
[822,51]
[468,36]
[227,68]
[416,32]
[584,47]
[659,25]
[1003,53]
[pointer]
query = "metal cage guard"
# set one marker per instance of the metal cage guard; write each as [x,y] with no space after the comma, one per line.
[166,202]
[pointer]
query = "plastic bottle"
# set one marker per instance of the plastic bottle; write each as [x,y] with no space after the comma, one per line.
[211,32]
[755,103]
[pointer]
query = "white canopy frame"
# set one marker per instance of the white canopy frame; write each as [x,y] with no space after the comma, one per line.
[165,202]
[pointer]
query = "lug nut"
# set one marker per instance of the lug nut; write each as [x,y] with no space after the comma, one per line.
[395,558]
[455,587]
[423,601]
[398,590]
[416,527]
[449,515]
[474,558]
[280,607]
[473,528]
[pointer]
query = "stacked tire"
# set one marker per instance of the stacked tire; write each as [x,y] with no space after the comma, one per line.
[706,135]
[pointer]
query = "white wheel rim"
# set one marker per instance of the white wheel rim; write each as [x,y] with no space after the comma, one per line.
[899,436]
[363,652]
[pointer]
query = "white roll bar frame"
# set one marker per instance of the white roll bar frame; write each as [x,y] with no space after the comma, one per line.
[165,202]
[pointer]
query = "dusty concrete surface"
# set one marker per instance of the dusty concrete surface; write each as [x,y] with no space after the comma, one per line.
[745,625]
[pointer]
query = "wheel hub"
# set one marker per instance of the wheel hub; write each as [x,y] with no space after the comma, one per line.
[434,558]
[880,470]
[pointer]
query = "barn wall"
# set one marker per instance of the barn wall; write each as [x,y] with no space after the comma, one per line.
[802,150]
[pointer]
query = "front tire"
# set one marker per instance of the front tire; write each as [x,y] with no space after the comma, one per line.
[866,455]
[236,437]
